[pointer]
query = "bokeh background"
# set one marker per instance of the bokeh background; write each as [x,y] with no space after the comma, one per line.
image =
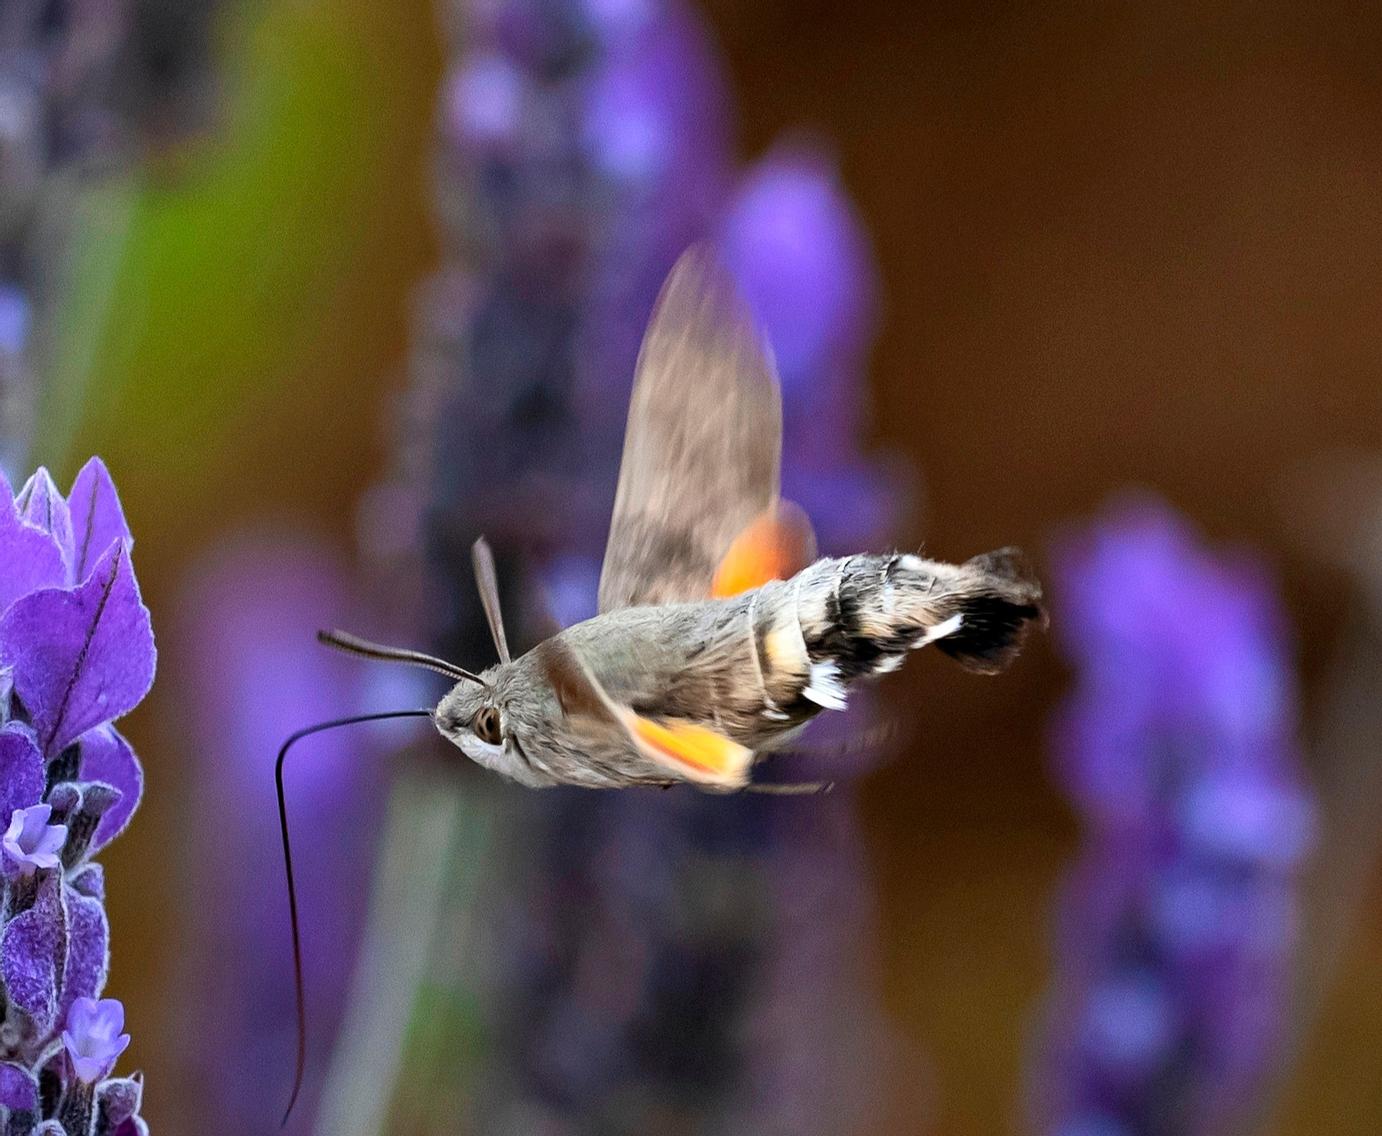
[1117,246]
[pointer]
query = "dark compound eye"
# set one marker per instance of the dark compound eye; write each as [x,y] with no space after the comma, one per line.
[485,725]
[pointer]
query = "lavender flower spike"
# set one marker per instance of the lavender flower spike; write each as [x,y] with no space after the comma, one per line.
[1177,928]
[32,843]
[93,1039]
[76,652]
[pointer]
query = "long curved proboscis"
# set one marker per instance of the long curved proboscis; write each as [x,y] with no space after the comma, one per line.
[354,645]
[307,731]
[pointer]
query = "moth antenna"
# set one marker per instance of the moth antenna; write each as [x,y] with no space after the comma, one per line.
[354,645]
[301,1062]
[482,557]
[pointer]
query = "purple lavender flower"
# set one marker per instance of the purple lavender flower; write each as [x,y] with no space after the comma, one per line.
[1177,926]
[93,1039]
[76,652]
[32,843]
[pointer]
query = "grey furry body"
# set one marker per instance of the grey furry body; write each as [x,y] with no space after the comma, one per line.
[755,667]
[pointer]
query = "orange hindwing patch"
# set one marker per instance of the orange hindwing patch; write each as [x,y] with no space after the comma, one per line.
[775,545]
[693,752]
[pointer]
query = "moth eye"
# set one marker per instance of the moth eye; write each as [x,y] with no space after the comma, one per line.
[485,725]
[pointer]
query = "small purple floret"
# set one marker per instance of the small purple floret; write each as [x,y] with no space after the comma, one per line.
[31,842]
[93,1039]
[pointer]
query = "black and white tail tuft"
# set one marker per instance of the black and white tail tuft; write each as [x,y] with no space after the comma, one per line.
[996,598]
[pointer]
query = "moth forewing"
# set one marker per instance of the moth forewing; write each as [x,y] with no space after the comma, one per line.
[702,447]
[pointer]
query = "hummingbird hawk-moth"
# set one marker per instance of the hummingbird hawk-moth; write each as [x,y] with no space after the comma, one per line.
[720,635]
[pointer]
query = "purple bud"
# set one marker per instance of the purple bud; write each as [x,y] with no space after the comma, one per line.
[31,842]
[1130,1025]
[654,114]
[626,134]
[1244,815]
[92,1038]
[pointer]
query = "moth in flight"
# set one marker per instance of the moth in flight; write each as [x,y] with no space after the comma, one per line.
[720,635]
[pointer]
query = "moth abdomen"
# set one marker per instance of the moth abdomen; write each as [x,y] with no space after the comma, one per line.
[845,619]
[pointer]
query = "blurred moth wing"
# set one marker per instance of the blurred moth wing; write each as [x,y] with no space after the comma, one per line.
[703,445]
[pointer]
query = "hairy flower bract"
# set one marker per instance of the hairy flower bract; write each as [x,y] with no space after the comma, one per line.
[76,653]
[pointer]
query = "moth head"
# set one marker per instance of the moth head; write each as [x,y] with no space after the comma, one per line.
[478,714]
[500,726]
[471,718]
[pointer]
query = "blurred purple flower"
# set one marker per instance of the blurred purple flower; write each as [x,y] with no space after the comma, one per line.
[251,608]
[1177,926]
[801,255]
[31,842]
[76,652]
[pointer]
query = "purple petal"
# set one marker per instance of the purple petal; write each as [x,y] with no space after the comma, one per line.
[81,656]
[21,769]
[88,1069]
[50,841]
[106,756]
[88,950]
[29,558]
[32,950]
[41,505]
[97,1021]
[98,521]
[31,842]
[18,1088]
